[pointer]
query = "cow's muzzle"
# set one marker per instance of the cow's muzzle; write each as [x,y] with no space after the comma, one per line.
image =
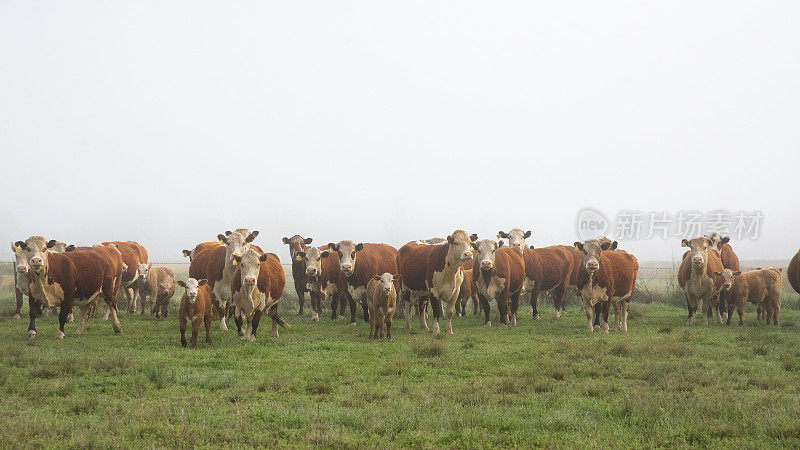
[249,281]
[592,266]
[697,260]
[311,271]
[486,265]
[22,269]
[347,268]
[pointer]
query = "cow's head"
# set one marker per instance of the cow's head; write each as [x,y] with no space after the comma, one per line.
[347,255]
[20,256]
[486,251]
[313,259]
[698,249]
[591,252]
[727,278]
[717,241]
[191,285]
[297,244]
[387,281]
[459,247]
[36,249]
[249,267]
[144,270]
[235,245]
[516,238]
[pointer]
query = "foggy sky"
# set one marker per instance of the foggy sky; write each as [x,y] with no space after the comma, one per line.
[170,122]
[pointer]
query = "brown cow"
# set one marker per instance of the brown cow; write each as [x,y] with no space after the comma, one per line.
[323,278]
[433,271]
[21,279]
[729,261]
[696,276]
[382,298]
[257,286]
[359,263]
[499,273]
[298,244]
[133,254]
[77,277]
[466,293]
[606,276]
[217,264]
[156,286]
[195,309]
[761,287]
[793,272]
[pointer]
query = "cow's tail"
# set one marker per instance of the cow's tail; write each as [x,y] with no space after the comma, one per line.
[280,321]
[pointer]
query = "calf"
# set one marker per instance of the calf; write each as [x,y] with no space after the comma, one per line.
[729,261]
[433,271]
[762,287]
[359,263]
[297,245]
[382,298]
[466,293]
[77,277]
[793,272]
[195,309]
[606,276]
[323,279]
[156,286]
[499,273]
[696,276]
[217,265]
[257,286]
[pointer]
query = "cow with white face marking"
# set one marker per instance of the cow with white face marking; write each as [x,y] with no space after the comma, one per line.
[433,270]
[606,276]
[21,272]
[697,277]
[516,238]
[297,245]
[499,273]
[78,277]
[323,278]
[257,286]
[359,263]
[155,286]
[217,264]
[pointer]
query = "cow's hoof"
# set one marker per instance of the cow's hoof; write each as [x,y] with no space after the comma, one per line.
[70,318]
[536,317]
[275,335]
[488,324]
[530,312]
[315,317]
[78,331]
[117,329]
[240,333]
[558,314]
[60,335]
[31,334]
[352,324]
[341,317]
[435,328]
[223,327]
[16,316]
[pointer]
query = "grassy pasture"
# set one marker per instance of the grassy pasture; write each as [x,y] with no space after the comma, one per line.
[546,383]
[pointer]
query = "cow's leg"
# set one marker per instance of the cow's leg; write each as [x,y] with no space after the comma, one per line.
[730,306]
[422,304]
[275,323]
[19,300]
[535,301]
[589,309]
[207,323]
[407,311]
[66,306]
[625,305]
[559,297]
[691,305]
[365,307]
[223,325]
[182,326]
[33,310]
[437,313]
[598,311]
[85,310]
[389,318]
[108,313]
[514,307]
[475,306]
[715,303]
[128,293]
[458,308]
[451,305]
[195,331]
[352,303]
[739,309]
[315,305]
[239,321]
[110,297]
[705,309]
[485,305]
[301,295]
[334,304]
[342,306]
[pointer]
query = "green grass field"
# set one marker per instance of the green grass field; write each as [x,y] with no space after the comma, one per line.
[546,383]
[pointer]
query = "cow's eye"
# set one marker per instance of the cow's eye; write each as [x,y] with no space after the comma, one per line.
[353,255]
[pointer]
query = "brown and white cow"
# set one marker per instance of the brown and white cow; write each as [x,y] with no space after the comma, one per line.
[606,276]
[155,286]
[499,273]
[793,272]
[21,275]
[297,245]
[761,287]
[323,279]
[217,264]
[257,286]
[729,261]
[382,299]
[696,276]
[195,309]
[78,277]
[133,255]
[433,271]
[359,263]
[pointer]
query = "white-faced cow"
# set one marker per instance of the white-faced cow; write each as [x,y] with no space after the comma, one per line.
[499,273]
[697,277]
[297,245]
[257,286]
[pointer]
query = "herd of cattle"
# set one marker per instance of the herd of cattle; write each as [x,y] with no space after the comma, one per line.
[232,277]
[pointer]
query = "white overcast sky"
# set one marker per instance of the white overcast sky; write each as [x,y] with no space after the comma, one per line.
[168,122]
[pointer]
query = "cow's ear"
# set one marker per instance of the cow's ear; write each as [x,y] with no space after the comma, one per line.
[228,232]
[19,245]
[684,243]
[359,247]
[709,242]
[496,245]
[308,240]
[578,245]
[614,245]
[376,277]
[149,265]
[285,240]
[605,246]
[202,282]
[473,237]
[251,237]
[325,254]
[527,234]
[51,243]
[222,238]
[725,240]
[263,257]
[531,247]
[397,277]
[186,253]
[502,235]
[70,248]
[333,247]
[181,283]
[737,273]
[450,239]
[254,234]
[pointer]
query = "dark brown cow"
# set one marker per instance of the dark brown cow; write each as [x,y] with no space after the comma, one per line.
[195,309]
[199,247]
[298,244]
[359,263]
[76,277]
[433,271]
[499,273]
[606,276]
[323,278]
[466,293]
[133,254]
[696,276]
[257,286]
[217,264]
[793,272]
[547,269]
